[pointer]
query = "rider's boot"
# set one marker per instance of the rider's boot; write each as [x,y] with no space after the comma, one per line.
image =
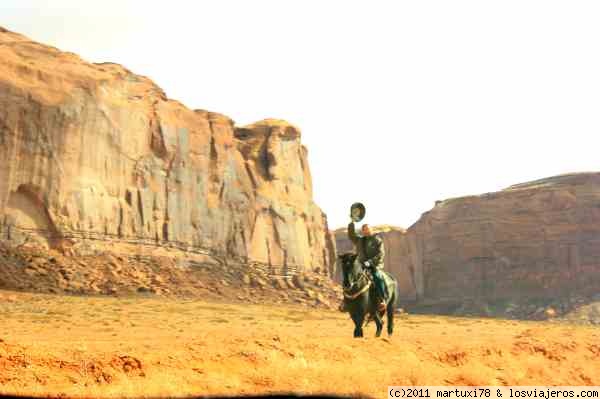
[381,306]
[381,297]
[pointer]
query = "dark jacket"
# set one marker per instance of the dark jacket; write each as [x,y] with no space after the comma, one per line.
[369,248]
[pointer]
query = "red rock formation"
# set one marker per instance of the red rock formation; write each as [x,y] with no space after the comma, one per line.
[94,148]
[534,240]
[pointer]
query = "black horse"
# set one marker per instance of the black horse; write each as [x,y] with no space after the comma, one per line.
[360,296]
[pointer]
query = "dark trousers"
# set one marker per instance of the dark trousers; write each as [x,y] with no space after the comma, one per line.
[380,284]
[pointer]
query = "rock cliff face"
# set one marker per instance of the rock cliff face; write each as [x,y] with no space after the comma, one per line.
[534,240]
[93,151]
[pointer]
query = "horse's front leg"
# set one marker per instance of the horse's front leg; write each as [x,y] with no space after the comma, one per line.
[358,323]
[378,323]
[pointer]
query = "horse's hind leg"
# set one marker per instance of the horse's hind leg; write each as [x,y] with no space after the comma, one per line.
[390,315]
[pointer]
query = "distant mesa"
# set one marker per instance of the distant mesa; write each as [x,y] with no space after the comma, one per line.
[535,240]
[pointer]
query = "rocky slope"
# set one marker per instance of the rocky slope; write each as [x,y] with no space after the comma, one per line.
[531,249]
[96,157]
[189,276]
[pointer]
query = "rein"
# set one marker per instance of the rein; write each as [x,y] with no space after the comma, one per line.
[347,291]
[360,292]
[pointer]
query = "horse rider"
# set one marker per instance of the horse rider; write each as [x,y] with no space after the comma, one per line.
[370,253]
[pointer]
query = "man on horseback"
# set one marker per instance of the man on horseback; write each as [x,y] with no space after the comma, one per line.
[370,253]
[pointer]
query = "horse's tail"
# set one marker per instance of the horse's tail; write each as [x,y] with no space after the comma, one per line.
[394,301]
[394,293]
[391,308]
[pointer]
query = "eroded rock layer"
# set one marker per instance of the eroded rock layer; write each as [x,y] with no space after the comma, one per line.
[95,151]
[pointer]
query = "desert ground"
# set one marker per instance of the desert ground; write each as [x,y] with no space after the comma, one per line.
[149,346]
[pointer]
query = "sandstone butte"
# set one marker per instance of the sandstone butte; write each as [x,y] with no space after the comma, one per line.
[96,157]
[539,239]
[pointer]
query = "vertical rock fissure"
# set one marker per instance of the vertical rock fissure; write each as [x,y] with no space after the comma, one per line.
[6,185]
[222,191]
[251,175]
[165,227]
[265,158]
[214,155]
[269,254]
[140,207]
[157,141]
[120,224]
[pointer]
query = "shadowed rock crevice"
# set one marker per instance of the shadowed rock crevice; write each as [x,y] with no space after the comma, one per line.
[157,142]
[140,207]
[266,159]
[27,219]
[251,175]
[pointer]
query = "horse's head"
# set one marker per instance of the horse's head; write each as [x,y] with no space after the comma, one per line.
[349,271]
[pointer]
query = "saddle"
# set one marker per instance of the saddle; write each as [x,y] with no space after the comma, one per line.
[366,283]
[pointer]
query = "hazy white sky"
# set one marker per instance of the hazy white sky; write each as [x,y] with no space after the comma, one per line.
[400,103]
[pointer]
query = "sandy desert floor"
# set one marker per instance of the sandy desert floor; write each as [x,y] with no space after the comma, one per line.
[152,347]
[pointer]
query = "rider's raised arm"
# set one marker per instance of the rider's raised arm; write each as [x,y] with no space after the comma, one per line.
[352,234]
